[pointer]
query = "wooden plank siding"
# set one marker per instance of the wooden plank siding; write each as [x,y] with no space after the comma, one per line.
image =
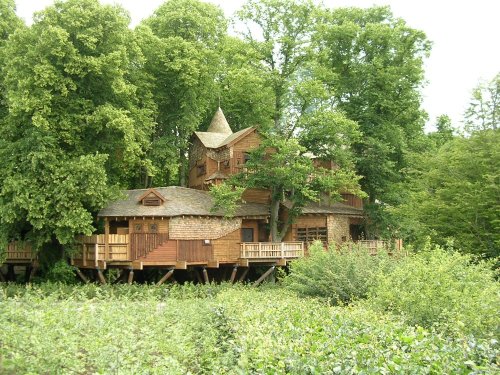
[194,251]
[227,249]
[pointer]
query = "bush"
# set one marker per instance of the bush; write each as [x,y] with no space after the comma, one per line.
[338,275]
[444,289]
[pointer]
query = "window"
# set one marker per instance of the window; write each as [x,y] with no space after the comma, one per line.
[138,228]
[246,157]
[151,201]
[153,228]
[206,242]
[308,235]
[201,169]
[246,234]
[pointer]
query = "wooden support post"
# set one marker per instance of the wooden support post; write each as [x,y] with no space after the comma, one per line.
[264,276]
[282,250]
[96,255]
[11,275]
[2,278]
[205,275]
[102,280]
[81,275]
[198,276]
[130,277]
[245,273]
[165,277]
[106,239]
[84,254]
[34,268]
[119,278]
[233,274]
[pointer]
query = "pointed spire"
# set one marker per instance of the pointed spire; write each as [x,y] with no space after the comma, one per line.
[219,124]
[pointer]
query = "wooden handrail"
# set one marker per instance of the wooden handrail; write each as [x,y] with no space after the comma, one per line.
[271,250]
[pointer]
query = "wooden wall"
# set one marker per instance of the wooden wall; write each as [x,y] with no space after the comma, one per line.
[352,200]
[162,225]
[305,221]
[227,249]
[257,196]
[254,224]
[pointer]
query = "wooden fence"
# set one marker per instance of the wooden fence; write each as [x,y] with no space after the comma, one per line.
[272,250]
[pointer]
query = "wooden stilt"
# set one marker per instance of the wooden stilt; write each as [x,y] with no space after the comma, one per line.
[224,274]
[102,280]
[165,277]
[233,274]
[11,275]
[264,276]
[205,275]
[27,272]
[245,273]
[2,277]
[81,275]
[198,276]
[33,270]
[130,277]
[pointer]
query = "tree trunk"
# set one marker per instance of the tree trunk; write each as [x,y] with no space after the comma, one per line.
[182,167]
[274,216]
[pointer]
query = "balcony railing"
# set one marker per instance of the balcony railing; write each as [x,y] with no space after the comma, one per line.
[272,250]
[19,252]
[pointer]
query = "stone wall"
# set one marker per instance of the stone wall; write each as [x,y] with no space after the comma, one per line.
[201,228]
[338,228]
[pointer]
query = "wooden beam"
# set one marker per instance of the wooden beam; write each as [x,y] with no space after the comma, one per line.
[81,275]
[264,276]
[165,277]
[281,262]
[181,265]
[233,274]
[205,275]
[213,264]
[106,238]
[100,275]
[130,277]
[245,273]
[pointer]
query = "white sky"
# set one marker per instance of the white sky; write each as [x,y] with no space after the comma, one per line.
[465,36]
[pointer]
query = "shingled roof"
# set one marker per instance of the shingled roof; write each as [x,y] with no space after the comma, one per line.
[219,124]
[332,208]
[179,201]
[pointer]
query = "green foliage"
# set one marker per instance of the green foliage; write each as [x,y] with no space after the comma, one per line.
[373,63]
[452,193]
[181,43]
[77,120]
[484,110]
[445,289]
[236,330]
[339,275]
[62,272]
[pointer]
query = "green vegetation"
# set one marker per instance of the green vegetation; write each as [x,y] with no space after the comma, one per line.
[339,275]
[206,329]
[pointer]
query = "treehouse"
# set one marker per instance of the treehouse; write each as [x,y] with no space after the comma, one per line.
[177,228]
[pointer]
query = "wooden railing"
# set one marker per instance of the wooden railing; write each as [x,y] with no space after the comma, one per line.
[141,244]
[275,250]
[19,251]
[93,248]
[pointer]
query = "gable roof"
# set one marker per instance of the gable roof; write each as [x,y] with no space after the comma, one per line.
[179,201]
[233,138]
[219,124]
[216,140]
[151,191]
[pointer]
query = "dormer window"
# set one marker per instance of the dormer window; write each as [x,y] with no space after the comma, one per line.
[151,198]
[151,201]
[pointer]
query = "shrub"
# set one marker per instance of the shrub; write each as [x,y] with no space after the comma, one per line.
[444,289]
[339,275]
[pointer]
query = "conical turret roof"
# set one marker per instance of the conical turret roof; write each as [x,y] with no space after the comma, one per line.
[219,124]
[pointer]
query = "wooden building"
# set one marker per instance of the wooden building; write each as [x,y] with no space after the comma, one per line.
[177,228]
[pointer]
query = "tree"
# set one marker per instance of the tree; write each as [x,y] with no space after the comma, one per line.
[182,43]
[452,193]
[444,132]
[484,110]
[78,121]
[373,64]
[283,167]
